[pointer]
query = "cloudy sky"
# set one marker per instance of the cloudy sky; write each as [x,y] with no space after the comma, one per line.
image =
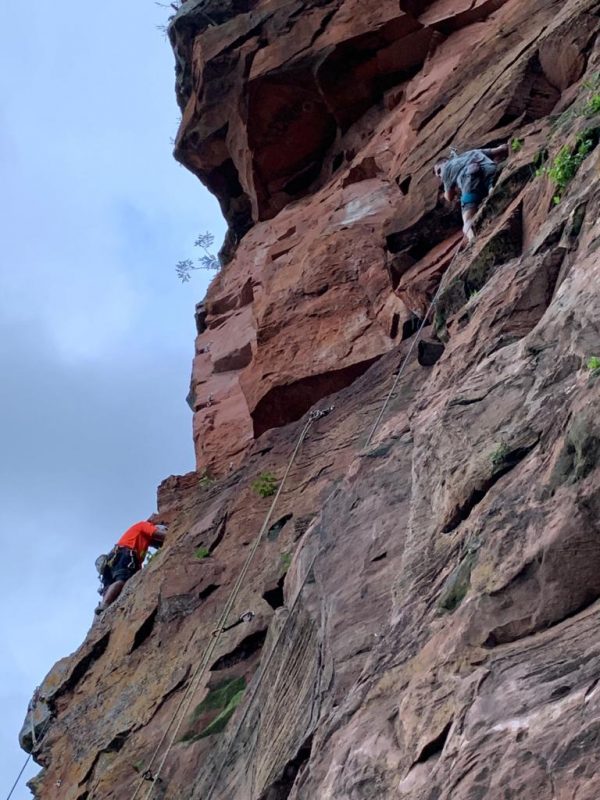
[96,333]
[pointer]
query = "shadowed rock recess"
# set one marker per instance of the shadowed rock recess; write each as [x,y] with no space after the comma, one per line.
[427,609]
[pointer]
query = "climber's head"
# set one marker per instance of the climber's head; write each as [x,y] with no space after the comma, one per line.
[439,166]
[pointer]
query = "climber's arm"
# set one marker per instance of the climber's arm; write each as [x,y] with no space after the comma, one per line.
[497,153]
[451,194]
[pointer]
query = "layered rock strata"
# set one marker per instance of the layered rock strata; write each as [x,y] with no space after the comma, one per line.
[427,606]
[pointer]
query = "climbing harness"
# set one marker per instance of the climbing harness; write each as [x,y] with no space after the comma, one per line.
[183,706]
[406,359]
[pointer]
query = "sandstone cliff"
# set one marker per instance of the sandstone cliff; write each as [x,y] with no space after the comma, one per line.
[427,608]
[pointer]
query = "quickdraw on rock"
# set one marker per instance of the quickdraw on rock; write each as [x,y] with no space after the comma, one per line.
[247,616]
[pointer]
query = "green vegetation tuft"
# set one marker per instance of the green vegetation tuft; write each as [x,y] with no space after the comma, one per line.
[218,724]
[516,145]
[201,552]
[592,107]
[224,698]
[457,585]
[265,485]
[541,157]
[563,168]
[220,696]
[593,363]
[499,455]
[206,481]
[593,82]
[286,561]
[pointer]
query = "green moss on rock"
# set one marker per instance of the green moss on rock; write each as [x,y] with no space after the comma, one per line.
[458,584]
[225,698]
[580,454]
[218,724]
[220,696]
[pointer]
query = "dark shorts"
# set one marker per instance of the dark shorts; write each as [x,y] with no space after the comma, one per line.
[122,566]
[475,188]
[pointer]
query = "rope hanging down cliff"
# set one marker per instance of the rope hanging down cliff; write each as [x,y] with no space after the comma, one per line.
[188,696]
[264,668]
[414,342]
[186,700]
[34,740]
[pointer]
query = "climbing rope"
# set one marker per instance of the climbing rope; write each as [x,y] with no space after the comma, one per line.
[35,739]
[15,784]
[406,359]
[186,700]
[248,703]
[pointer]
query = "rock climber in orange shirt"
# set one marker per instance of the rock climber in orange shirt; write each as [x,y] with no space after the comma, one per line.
[126,558]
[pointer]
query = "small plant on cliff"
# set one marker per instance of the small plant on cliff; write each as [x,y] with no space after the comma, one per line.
[567,161]
[206,481]
[498,456]
[201,552]
[286,561]
[265,485]
[592,106]
[516,145]
[593,364]
[540,159]
[223,698]
[207,261]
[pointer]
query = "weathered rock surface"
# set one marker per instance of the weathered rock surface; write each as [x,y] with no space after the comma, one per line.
[427,608]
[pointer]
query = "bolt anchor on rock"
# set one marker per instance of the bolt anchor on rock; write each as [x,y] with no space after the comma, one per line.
[247,616]
[319,413]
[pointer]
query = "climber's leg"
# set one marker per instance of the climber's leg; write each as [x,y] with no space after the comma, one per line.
[110,595]
[468,214]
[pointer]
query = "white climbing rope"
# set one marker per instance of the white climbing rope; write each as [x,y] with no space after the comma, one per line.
[264,668]
[248,703]
[186,700]
[16,783]
[406,359]
[35,739]
[188,696]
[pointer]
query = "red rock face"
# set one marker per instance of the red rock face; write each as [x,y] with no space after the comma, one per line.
[317,127]
[426,608]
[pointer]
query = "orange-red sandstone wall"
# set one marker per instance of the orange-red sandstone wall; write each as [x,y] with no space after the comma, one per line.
[317,124]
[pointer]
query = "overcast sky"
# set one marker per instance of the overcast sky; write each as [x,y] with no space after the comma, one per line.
[96,333]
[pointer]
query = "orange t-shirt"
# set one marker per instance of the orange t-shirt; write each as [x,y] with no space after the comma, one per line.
[138,538]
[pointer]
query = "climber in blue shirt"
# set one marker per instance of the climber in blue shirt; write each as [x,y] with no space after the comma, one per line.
[470,175]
